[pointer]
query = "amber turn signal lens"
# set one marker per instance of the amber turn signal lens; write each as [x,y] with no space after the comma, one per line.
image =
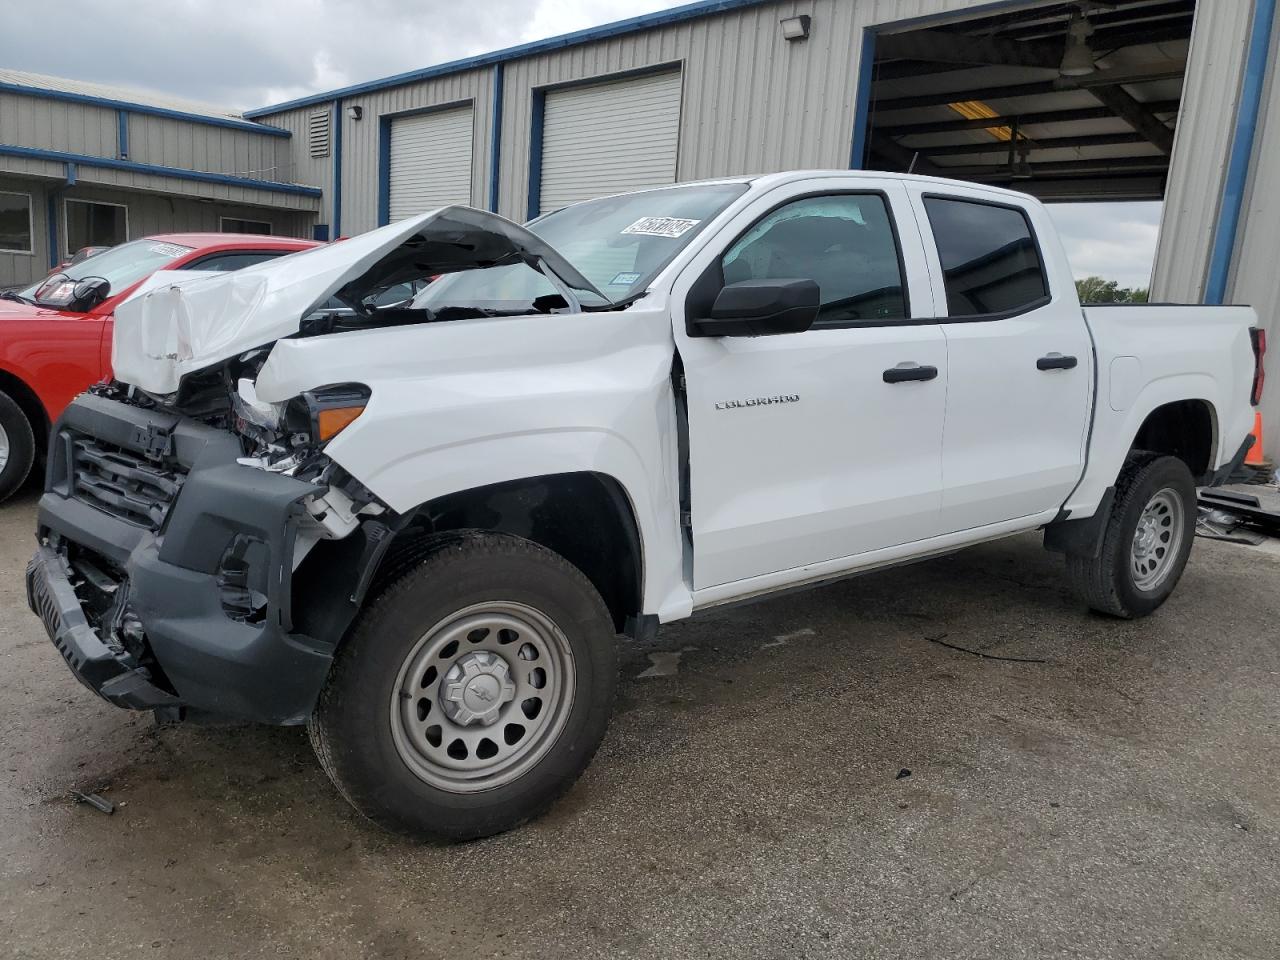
[333,420]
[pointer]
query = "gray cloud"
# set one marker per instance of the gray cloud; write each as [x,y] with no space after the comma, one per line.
[1115,241]
[243,55]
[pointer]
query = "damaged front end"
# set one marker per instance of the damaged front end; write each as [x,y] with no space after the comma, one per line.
[168,567]
[198,551]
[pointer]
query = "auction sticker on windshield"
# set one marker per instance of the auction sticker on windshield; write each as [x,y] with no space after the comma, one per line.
[168,249]
[669,227]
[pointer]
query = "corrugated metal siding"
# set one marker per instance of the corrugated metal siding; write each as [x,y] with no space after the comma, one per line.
[56,125]
[1256,280]
[1205,124]
[174,143]
[431,166]
[296,165]
[360,139]
[93,131]
[610,138]
[752,102]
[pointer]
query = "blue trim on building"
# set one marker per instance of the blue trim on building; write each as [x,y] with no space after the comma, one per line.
[132,166]
[85,98]
[337,168]
[122,134]
[495,139]
[320,232]
[690,11]
[384,170]
[1238,163]
[539,113]
[69,171]
[862,99]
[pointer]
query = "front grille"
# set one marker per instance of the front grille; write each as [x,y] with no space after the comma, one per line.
[122,483]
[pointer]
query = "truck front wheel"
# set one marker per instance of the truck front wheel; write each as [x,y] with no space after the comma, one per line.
[17,447]
[1146,542]
[472,692]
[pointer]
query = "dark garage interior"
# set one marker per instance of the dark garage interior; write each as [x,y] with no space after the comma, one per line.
[1067,101]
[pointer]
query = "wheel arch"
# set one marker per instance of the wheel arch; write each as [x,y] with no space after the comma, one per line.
[586,517]
[1185,429]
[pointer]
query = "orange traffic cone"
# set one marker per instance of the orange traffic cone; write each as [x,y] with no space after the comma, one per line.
[1254,457]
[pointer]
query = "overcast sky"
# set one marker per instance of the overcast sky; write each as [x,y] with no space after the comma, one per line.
[239,54]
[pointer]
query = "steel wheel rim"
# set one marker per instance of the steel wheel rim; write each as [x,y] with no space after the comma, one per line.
[4,447]
[1157,540]
[497,678]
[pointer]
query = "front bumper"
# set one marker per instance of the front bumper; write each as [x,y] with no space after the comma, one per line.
[167,563]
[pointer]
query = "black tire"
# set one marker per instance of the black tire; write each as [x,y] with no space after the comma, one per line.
[1107,583]
[21,444]
[352,726]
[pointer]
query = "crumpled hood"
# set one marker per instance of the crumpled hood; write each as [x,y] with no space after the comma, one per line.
[179,322]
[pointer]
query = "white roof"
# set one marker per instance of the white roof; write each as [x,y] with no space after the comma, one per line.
[143,98]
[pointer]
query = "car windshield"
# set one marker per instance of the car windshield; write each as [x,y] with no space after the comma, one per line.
[120,266]
[618,243]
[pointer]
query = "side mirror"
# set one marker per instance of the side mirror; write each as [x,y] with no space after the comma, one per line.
[88,293]
[761,308]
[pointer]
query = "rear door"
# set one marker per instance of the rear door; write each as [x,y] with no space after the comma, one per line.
[802,451]
[1019,354]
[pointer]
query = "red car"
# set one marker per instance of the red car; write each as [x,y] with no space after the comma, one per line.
[55,336]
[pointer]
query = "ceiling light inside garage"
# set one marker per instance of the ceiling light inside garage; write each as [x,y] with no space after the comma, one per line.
[977,110]
[1077,59]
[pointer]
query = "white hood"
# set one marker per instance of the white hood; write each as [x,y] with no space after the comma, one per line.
[177,322]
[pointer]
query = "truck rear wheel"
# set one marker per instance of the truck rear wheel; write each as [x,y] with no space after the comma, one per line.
[472,691]
[17,447]
[1147,540]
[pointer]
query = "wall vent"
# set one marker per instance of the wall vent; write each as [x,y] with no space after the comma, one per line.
[318,134]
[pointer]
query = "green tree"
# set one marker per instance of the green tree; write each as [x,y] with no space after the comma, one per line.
[1097,290]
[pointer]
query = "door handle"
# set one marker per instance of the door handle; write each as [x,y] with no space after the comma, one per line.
[1056,361]
[911,371]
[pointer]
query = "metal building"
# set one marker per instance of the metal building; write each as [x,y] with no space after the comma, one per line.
[87,165]
[1175,100]
[1078,100]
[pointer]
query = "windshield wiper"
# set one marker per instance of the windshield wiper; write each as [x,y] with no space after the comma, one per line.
[16,297]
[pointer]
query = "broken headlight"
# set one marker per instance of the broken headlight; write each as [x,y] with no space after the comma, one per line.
[325,412]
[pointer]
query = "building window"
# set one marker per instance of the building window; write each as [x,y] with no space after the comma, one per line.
[990,261]
[94,224]
[236,225]
[16,230]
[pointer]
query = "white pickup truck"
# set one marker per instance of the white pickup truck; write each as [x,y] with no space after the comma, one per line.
[418,527]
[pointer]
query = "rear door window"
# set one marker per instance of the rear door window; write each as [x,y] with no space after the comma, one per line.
[991,262]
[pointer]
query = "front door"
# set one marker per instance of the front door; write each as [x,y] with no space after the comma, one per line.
[821,445]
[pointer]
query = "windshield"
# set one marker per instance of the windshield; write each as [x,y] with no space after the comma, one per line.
[618,243]
[120,266]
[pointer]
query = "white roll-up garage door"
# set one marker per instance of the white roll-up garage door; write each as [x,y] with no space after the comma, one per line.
[430,161]
[609,138]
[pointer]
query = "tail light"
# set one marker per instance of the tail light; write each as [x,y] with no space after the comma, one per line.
[1259,372]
